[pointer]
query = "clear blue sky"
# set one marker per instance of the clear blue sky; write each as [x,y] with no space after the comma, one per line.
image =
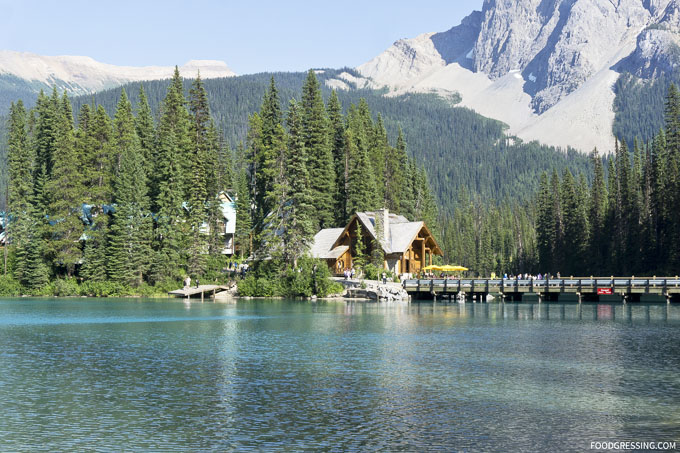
[250,36]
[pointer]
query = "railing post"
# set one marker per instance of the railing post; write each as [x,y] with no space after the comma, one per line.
[446,281]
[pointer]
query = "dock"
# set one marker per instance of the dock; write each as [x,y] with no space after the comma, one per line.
[190,291]
[595,289]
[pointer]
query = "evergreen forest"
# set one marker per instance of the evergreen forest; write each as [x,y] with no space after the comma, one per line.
[123,193]
[131,200]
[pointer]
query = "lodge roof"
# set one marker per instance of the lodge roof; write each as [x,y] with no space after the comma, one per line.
[399,235]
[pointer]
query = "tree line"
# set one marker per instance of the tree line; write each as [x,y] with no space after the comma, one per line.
[117,199]
[625,222]
[133,200]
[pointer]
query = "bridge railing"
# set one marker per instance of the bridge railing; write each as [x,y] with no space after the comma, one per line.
[482,285]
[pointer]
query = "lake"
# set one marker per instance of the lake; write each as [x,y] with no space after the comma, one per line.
[165,375]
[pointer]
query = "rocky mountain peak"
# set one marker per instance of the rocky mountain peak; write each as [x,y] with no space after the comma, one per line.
[536,64]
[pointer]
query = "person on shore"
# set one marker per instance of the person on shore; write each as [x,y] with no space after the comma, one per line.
[187,282]
[384,278]
[196,282]
[352,272]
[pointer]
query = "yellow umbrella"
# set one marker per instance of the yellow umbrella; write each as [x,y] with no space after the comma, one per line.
[432,268]
[459,269]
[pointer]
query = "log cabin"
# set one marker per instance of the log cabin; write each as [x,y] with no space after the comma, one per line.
[408,246]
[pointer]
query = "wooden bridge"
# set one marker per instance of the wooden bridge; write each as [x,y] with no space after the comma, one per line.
[190,291]
[583,289]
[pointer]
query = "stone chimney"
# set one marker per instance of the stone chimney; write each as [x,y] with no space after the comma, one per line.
[384,218]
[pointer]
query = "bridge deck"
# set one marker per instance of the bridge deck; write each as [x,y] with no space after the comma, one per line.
[594,286]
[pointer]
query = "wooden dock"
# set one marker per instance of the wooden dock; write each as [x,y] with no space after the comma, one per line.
[628,289]
[210,290]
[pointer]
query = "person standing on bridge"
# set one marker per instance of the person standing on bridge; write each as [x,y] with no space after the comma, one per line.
[196,282]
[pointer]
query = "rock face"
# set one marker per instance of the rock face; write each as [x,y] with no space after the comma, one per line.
[83,75]
[530,56]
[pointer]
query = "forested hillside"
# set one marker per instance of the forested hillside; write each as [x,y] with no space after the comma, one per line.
[639,106]
[459,148]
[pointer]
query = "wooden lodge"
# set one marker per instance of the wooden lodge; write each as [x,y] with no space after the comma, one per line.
[408,246]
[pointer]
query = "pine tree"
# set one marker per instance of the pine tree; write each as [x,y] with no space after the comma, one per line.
[575,225]
[395,166]
[336,130]
[24,227]
[169,235]
[558,224]
[201,203]
[545,225]
[242,235]
[95,142]
[48,119]
[597,210]
[129,245]
[360,182]
[144,126]
[321,166]
[298,211]
[65,194]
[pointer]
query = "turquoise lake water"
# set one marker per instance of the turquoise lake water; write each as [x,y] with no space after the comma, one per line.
[164,375]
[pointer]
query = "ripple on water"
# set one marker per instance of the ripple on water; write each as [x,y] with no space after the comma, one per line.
[144,375]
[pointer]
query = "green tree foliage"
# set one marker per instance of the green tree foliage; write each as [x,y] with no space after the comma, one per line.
[298,214]
[242,235]
[320,165]
[129,245]
[64,192]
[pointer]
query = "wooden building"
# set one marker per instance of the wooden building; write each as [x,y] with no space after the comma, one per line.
[407,246]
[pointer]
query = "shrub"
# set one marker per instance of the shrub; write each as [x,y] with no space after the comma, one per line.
[65,287]
[9,286]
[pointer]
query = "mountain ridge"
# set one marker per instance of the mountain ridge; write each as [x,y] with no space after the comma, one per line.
[24,74]
[544,67]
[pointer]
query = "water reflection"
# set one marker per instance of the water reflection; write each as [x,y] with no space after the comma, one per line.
[284,375]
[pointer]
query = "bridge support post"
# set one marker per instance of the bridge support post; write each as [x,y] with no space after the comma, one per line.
[579,297]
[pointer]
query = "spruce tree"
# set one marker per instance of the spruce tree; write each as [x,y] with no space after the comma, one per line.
[545,225]
[144,126]
[336,130]
[242,235]
[129,245]
[24,227]
[201,203]
[394,173]
[597,210]
[298,210]
[360,183]
[64,192]
[321,167]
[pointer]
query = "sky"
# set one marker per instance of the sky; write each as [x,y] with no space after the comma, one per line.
[250,36]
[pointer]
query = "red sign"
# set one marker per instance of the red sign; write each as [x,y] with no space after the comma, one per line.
[604,291]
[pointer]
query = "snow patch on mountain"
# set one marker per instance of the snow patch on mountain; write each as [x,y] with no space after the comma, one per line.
[82,75]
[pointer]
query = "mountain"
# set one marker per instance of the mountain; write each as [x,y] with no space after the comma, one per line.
[546,68]
[23,74]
